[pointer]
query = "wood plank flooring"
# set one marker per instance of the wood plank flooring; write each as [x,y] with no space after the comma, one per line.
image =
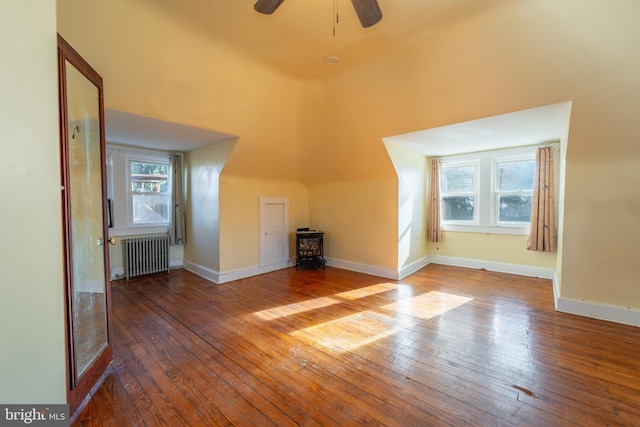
[444,347]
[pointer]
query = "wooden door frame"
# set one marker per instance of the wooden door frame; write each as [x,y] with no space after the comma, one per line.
[78,388]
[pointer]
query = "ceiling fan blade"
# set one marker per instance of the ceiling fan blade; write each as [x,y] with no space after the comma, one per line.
[368,12]
[267,6]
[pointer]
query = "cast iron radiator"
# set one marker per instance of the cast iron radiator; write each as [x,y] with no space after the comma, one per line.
[145,255]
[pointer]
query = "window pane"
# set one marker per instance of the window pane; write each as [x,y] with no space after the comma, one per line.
[151,208]
[514,209]
[515,176]
[149,177]
[458,180]
[457,208]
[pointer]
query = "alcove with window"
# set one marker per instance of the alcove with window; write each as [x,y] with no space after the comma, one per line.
[139,190]
[488,191]
[485,173]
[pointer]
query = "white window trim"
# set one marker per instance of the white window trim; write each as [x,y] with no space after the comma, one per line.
[486,211]
[496,161]
[476,194]
[118,163]
[129,158]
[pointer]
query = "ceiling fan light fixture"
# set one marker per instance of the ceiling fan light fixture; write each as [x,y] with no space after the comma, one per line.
[267,6]
[368,11]
[331,60]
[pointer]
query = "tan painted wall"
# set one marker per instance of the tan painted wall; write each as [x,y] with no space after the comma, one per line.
[413,180]
[501,248]
[155,65]
[358,218]
[32,331]
[203,168]
[240,217]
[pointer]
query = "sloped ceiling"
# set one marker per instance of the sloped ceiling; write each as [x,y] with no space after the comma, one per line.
[295,40]
[300,34]
[544,124]
[130,129]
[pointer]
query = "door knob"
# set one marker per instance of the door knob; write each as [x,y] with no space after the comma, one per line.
[112,241]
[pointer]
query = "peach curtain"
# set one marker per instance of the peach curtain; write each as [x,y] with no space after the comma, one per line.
[542,232]
[434,232]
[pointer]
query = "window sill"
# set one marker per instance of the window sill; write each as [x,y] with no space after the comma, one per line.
[138,230]
[486,229]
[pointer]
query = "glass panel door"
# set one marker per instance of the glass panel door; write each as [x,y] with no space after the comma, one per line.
[86,253]
[87,238]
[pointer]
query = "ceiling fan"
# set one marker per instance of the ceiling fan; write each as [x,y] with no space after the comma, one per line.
[368,11]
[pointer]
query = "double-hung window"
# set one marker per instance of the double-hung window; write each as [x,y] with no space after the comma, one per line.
[487,192]
[513,191]
[459,193]
[149,191]
[139,190]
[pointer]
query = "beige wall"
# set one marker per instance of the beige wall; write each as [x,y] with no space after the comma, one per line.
[155,65]
[32,331]
[358,219]
[203,168]
[223,211]
[240,217]
[413,172]
[502,248]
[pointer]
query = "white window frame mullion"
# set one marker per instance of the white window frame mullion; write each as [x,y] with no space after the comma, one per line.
[486,198]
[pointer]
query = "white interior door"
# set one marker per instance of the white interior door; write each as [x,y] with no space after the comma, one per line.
[274,226]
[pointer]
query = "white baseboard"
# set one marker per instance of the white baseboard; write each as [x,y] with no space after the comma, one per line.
[595,310]
[204,272]
[373,270]
[556,290]
[522,270]
[117,273]
[229,276]
[414,266]
[501,267]
[608,312]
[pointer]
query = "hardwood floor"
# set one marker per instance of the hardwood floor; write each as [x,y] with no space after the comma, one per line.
[445,346]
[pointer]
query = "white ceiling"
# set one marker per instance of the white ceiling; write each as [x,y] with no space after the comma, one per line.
[527,127]
[130,129]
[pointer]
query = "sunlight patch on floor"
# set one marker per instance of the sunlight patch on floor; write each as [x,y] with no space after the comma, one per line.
[366,327]
[295,308]
[367,291]
[350,332]
[427,306]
